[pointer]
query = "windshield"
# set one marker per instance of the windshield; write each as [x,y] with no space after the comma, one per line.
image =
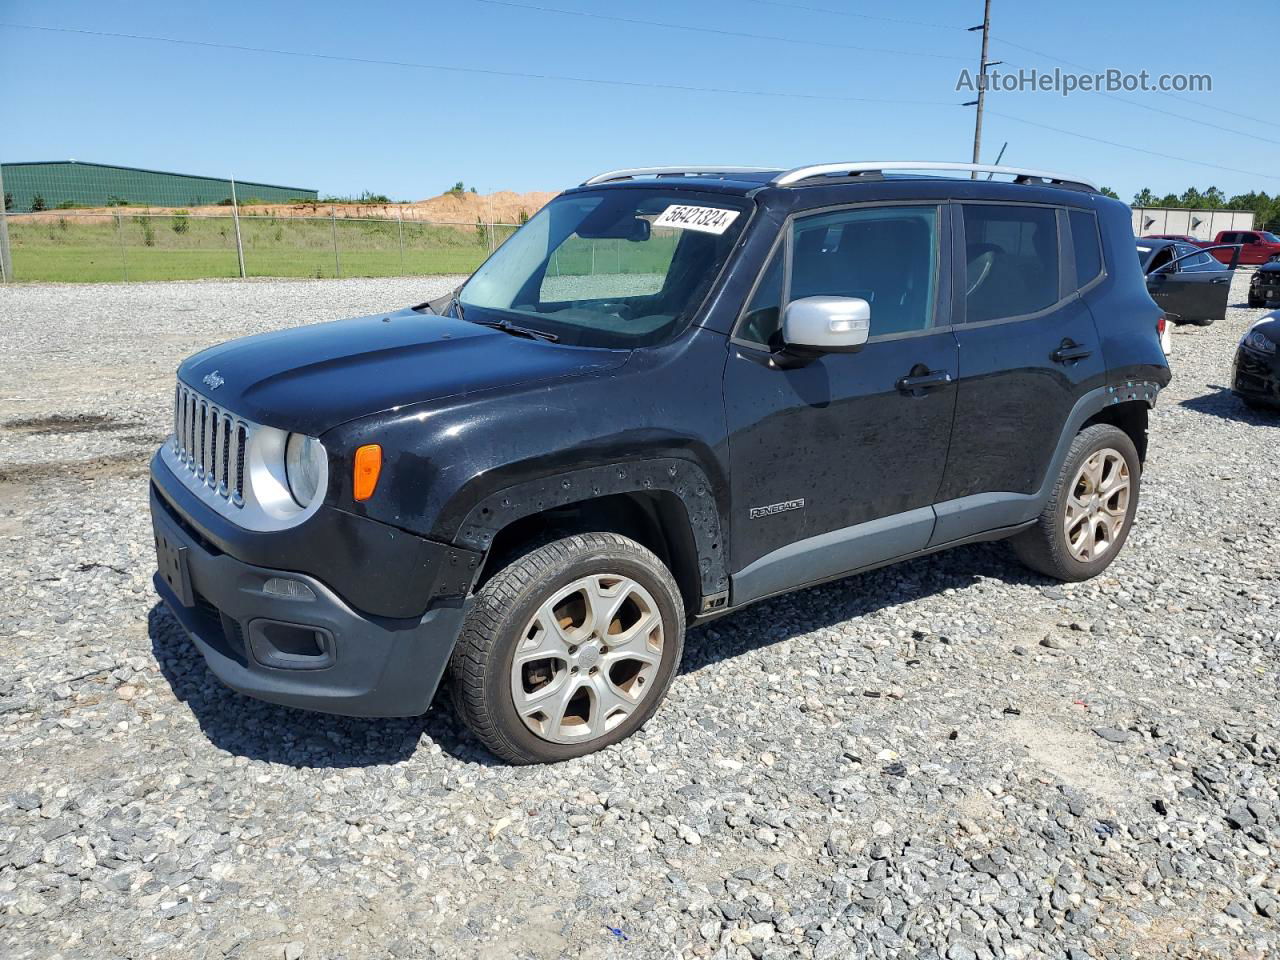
[611,268]
[1269,237]
[1143,254]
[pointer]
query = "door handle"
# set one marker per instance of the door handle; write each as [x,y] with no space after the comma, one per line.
[1220,280]
[924,381]
[1070,352]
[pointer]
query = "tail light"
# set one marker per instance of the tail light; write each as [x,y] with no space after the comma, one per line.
[1161,324]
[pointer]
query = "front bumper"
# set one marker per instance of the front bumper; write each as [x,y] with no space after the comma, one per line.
[314,651]
[1256,376]
[1268,289]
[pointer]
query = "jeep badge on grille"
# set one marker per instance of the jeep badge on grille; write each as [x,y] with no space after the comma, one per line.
[213,381]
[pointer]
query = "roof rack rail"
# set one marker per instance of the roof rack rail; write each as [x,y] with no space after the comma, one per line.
[1020,175]
[684,171]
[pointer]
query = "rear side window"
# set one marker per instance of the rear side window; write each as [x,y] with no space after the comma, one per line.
[1088,248]
[1012,260]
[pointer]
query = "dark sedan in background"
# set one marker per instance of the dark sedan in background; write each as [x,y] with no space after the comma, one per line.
[1265,285]
[1255,376]
[1189,284]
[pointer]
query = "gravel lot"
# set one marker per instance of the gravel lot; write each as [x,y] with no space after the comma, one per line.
[945,759]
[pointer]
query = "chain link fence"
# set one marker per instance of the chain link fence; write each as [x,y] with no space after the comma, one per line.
[82,246]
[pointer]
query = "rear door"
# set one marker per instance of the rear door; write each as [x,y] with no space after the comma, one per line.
[835,463]
[1028,351]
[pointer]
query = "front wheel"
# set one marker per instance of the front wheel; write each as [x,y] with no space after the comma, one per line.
[1091,508]
[568,649]
[1203,321]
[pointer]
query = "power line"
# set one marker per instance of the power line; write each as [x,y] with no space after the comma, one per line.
[1163,93]
[1168,113]
[1062,60]
[667,25]
[566,78]
[1125,146]
[240,48]
[860,16]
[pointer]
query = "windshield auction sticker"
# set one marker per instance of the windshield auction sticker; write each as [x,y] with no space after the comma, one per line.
[702,219]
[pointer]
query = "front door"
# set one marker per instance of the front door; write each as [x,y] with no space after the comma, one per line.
[835,463]
[1193,286]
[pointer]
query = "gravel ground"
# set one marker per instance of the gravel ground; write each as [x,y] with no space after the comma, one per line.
[944,759]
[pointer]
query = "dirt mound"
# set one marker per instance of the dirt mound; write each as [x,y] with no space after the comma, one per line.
[504,206]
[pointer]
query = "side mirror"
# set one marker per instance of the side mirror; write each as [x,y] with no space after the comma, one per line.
[817,325]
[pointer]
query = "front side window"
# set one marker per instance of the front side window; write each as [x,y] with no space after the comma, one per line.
[622,267]
[1196,260]
[885,255]
[1012,260]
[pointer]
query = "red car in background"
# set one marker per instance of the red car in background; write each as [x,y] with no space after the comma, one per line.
[1256,246]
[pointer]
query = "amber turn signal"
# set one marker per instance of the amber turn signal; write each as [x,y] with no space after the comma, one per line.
[368,466]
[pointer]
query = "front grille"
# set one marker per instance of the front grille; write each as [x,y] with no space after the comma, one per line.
[210,442]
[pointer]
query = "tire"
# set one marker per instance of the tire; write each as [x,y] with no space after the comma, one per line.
[586,694]
[1046,548]
[1203,321]
[1257,301]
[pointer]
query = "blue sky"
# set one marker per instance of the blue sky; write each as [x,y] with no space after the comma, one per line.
[411,133]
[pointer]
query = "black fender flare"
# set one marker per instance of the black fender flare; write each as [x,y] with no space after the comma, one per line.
[683,478]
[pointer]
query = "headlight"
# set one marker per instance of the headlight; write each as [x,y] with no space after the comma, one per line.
[305,463]
[1256,341]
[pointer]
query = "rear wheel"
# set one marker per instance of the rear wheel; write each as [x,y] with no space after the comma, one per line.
[568,648]
[1203,321]
[1256,301]
[1089,513]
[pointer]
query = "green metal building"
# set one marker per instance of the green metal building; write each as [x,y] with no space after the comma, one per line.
[70,183]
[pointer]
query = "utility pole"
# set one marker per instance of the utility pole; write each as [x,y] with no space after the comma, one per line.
[982,83]
[6,261]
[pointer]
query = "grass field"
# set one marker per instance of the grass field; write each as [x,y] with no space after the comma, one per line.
[188,248]
[83,249]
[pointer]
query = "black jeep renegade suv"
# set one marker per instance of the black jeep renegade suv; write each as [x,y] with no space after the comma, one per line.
[672,393]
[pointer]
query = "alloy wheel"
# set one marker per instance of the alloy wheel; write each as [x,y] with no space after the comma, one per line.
[587,659]
[1098,506]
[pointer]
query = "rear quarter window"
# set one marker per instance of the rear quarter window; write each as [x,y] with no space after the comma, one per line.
[1087,246]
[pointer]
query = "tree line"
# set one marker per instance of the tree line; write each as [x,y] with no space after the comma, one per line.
[1265,207]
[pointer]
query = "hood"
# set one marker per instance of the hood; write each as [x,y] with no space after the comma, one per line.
[310,379]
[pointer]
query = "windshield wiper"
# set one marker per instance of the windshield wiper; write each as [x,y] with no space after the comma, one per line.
[506,326]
